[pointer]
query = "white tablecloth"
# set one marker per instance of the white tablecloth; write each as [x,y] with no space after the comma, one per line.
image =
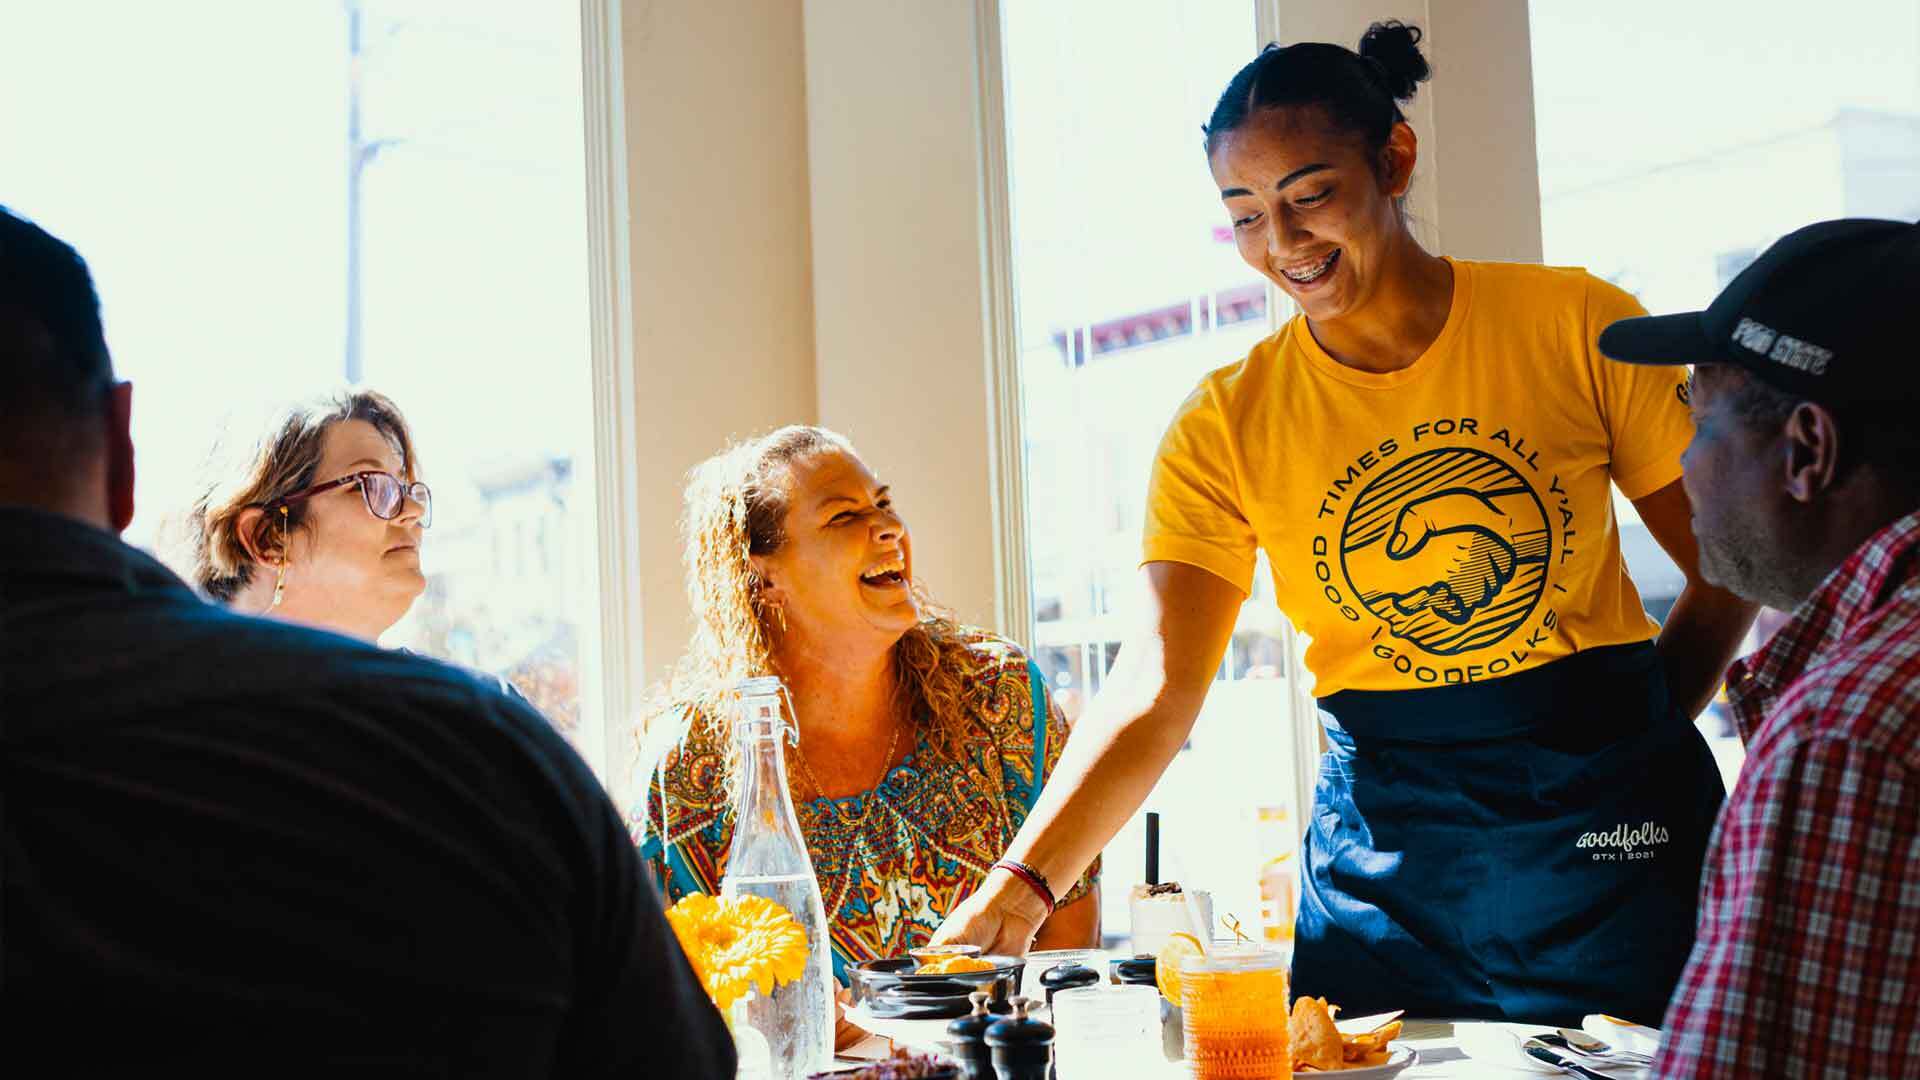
[1442,1056]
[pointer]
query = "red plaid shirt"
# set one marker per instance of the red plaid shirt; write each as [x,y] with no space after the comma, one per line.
[1805,965]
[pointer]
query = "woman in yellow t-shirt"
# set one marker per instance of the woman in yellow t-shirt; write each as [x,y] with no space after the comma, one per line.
[1512,810]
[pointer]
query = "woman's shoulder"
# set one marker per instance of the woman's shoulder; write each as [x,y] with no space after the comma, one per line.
[1251,374]
[1226,393]
[999,675]
[984,656]
[1572,287]
[683,754]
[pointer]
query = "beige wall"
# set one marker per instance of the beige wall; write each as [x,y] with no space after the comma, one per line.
[900,366]
[715,101]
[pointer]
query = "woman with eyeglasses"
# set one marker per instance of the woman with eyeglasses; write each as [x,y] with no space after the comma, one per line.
[320,521]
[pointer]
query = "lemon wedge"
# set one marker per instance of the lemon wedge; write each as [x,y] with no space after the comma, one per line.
[1166,964]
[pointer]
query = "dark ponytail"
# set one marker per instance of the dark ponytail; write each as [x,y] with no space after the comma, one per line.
[1360,91]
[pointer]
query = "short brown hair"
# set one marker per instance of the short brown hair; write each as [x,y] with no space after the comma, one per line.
[243,474]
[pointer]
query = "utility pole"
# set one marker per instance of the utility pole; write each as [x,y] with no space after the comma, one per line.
[360,154]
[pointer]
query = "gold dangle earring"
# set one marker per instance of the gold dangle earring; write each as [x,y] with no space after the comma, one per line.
[280,575]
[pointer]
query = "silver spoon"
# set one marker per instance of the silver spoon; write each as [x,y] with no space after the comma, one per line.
[1579,1042]
[1540,1050]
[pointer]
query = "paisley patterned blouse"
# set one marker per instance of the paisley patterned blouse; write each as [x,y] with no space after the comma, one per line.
[893,861]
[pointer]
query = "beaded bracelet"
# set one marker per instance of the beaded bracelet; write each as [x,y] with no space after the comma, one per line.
[1034,879]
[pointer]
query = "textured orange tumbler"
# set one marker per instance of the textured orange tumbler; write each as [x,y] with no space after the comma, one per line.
[1233,1002]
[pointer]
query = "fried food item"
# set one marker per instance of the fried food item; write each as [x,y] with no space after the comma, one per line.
[1361,1049]
[953,965]
[1319,1046]
[1310,1031]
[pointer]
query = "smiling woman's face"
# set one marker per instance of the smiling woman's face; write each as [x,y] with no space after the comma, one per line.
[348,570]
[1310,209]
[844,576]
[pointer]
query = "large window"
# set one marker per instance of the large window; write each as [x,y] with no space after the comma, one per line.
[1739,121]
[1129,289]
[279,198]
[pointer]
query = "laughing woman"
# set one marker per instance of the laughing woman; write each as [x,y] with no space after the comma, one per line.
[923,743]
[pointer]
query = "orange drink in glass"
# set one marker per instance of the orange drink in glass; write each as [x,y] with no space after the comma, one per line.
[1233,1002]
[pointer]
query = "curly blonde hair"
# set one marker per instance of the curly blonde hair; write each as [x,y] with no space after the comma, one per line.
[252,468]
[736,507]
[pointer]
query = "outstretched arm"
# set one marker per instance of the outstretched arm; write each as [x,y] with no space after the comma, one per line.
[1119,748]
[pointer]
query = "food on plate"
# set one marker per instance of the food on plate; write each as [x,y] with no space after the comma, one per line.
[934,952]
[1310,1031]
[953,965]
[1319,1046]
[1166,965]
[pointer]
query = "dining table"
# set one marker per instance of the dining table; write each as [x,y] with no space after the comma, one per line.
[1448,1050]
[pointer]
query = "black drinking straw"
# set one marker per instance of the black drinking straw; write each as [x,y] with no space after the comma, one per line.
[1153,848]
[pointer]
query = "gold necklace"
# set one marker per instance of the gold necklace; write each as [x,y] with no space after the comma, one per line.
[886,767]
[844,879]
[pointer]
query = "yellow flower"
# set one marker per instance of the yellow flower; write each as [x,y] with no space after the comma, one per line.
[738,942]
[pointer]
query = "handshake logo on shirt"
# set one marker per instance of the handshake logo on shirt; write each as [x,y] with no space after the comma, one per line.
[1450,548]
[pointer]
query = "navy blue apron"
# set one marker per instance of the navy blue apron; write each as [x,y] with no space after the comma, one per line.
[1526,848]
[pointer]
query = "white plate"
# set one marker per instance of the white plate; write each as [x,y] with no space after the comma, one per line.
[1621,1036]
[1399,1059]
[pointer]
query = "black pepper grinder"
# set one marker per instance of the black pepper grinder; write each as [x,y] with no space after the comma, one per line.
[967,1039]
[1066,977]
[1022,1047]
[997,1002]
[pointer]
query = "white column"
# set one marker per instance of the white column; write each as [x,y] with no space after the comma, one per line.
[1476,191]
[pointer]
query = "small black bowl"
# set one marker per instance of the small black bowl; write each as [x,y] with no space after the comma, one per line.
[871,976]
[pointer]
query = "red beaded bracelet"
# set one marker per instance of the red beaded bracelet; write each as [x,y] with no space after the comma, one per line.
[1034,879]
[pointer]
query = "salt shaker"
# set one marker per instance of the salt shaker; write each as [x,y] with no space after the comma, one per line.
[1066,977]
[1022,1047]
[967,1039]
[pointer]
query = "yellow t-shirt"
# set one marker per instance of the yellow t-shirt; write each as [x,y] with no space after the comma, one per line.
[1450,522]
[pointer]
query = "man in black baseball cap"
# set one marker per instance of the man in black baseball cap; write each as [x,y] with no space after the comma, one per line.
[1804,474]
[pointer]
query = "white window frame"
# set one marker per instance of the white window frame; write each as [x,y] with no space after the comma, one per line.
[1006,411]
[610,657]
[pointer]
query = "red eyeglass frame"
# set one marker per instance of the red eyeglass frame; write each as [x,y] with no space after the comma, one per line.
[360,478]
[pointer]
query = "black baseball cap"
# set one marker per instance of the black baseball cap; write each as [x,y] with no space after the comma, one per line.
[1829,313]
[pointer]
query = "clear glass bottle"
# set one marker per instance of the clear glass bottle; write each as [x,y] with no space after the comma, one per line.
[769,858]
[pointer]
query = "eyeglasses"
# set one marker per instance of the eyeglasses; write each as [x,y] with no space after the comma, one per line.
[385,495]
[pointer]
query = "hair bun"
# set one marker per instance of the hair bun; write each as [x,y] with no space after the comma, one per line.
[1395,48]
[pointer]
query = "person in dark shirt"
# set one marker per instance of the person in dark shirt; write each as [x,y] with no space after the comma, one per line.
[236,844]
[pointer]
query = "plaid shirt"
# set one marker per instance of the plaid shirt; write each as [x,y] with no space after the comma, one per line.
[1805,964]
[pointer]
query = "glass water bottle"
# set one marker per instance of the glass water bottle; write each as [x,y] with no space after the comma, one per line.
[769,858]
